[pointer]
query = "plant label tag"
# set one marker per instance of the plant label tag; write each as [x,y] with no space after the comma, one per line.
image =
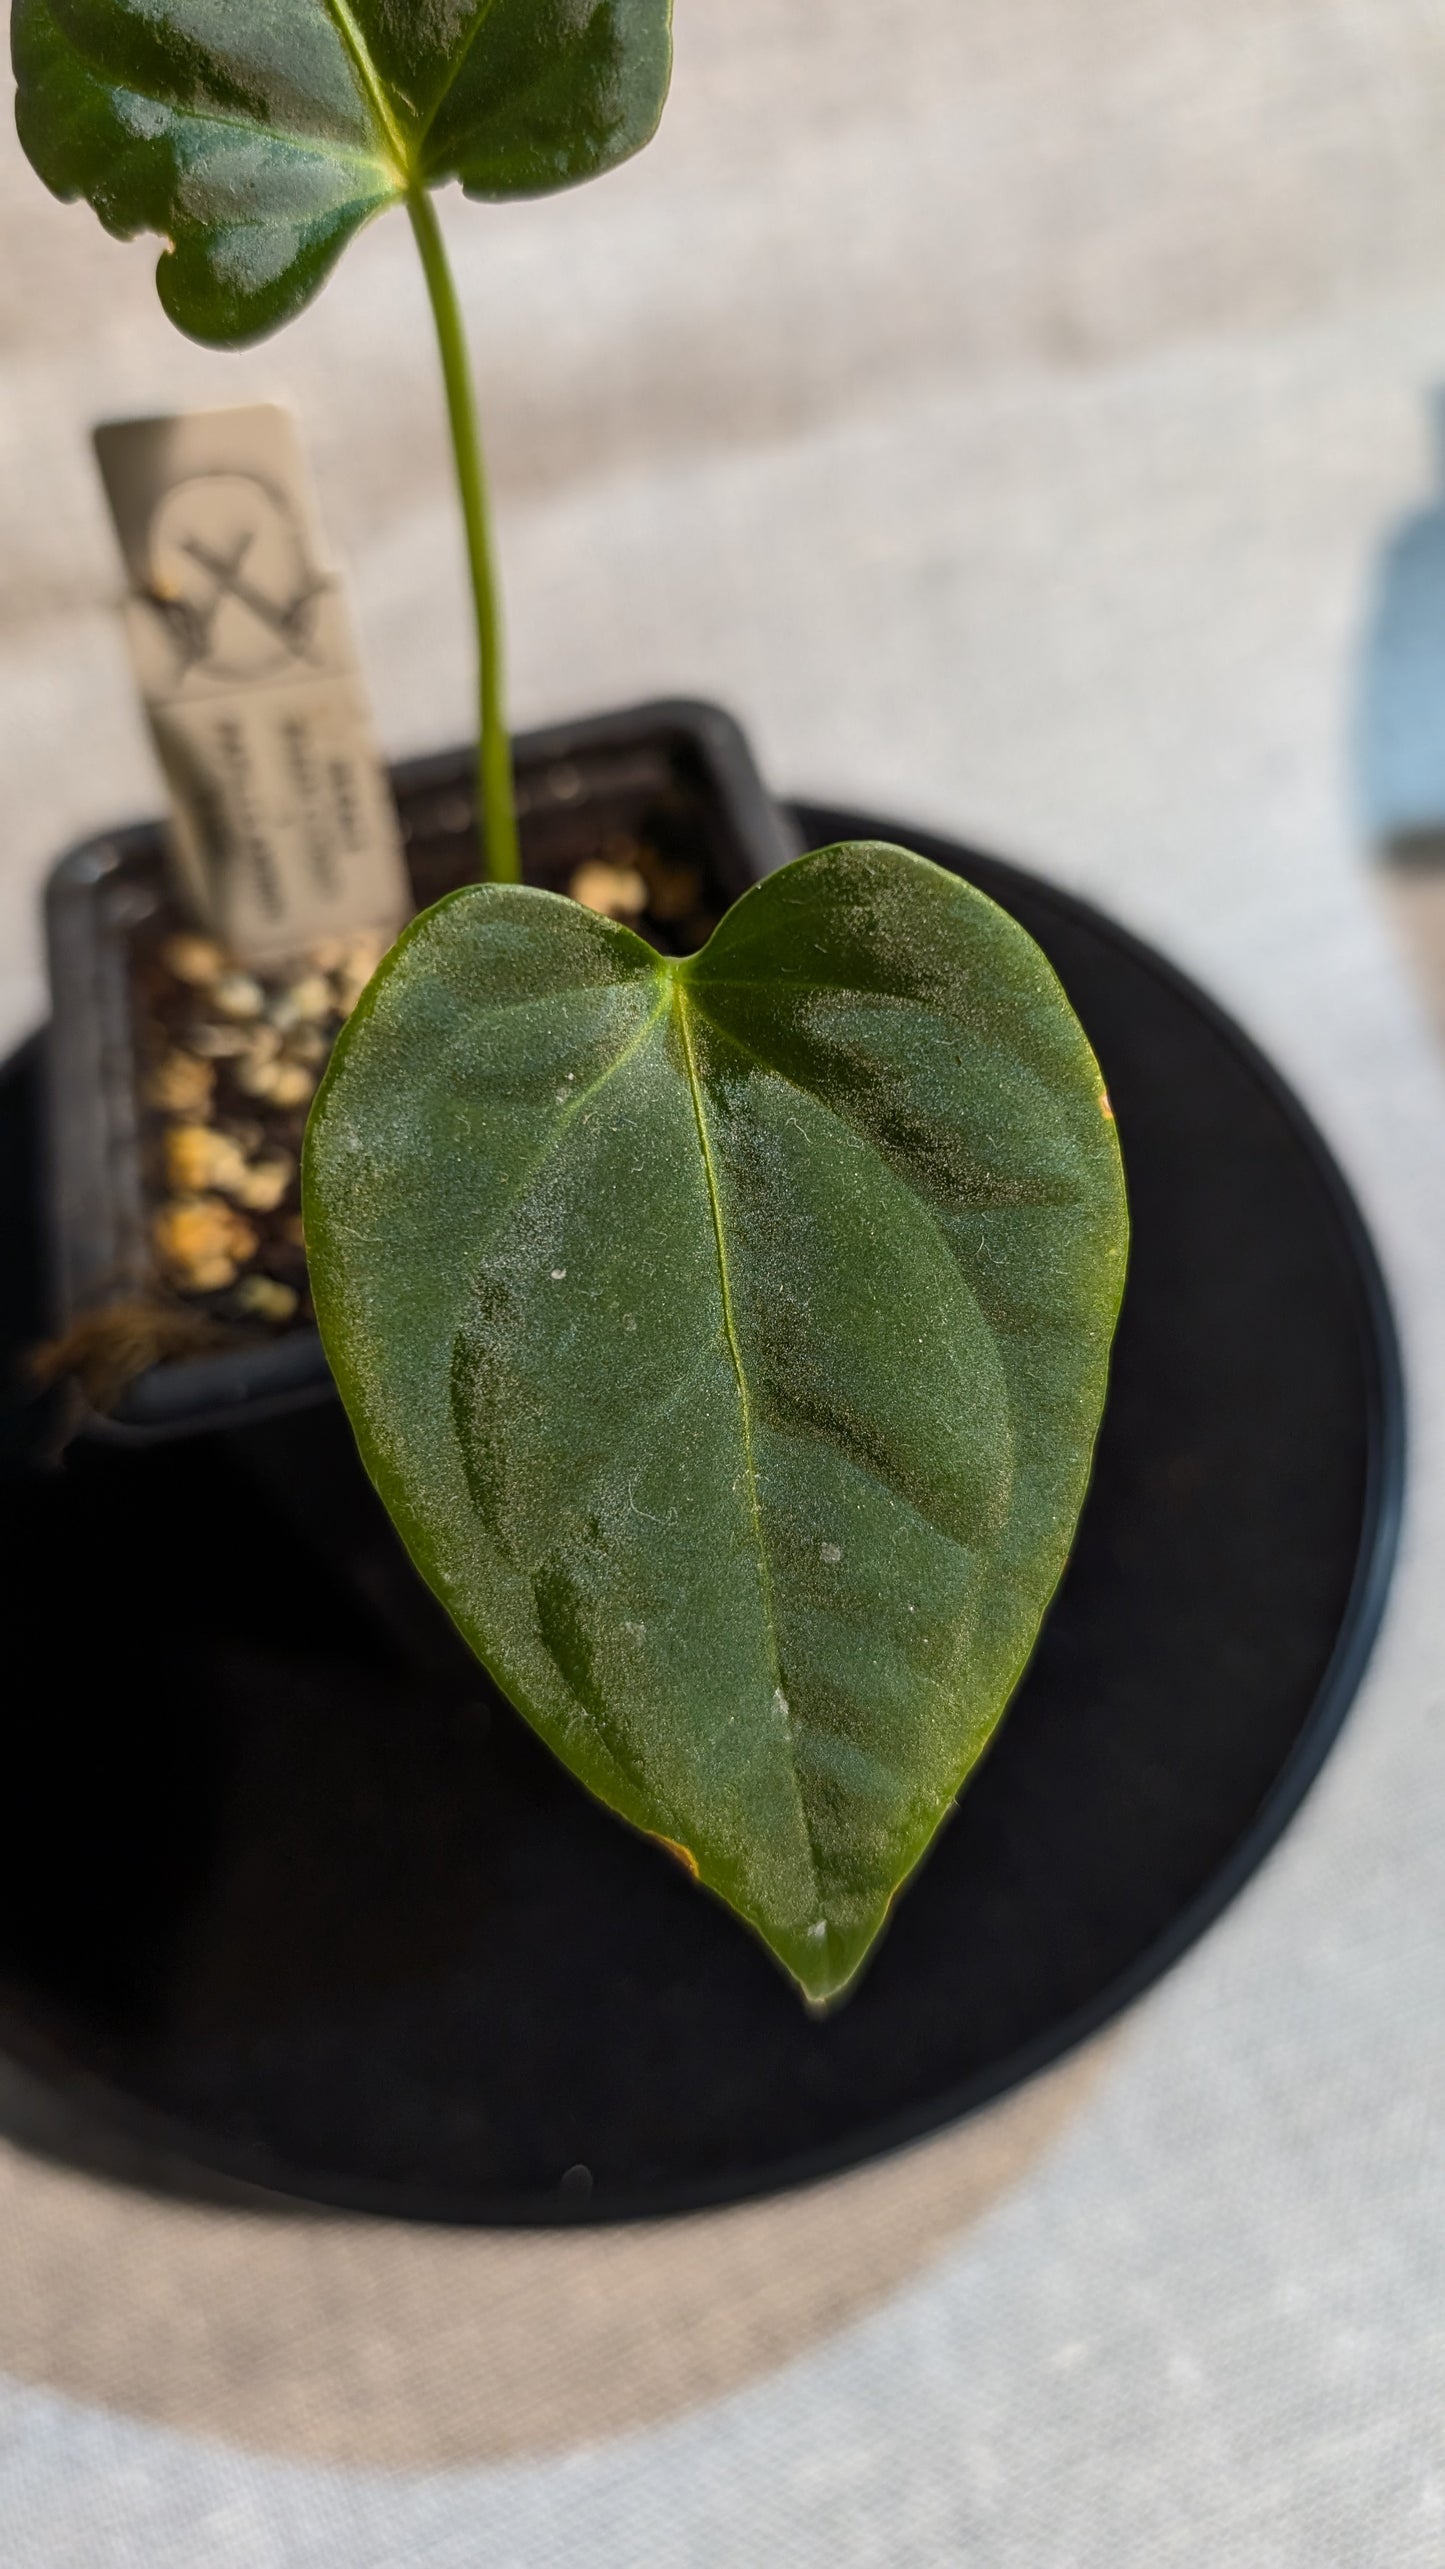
[283,827]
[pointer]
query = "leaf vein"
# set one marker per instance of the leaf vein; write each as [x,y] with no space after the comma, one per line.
[185,112]
[455,69]
[1051,1202]
[573,1108]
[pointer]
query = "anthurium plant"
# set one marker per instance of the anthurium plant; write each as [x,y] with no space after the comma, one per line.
[727,1336]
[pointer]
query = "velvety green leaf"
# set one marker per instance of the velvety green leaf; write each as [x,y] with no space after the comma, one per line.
[257,135]
[728,1339]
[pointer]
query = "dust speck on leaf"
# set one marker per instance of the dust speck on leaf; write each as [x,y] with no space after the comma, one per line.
[832,1551]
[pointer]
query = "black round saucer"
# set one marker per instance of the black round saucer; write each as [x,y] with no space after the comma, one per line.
[287,1890]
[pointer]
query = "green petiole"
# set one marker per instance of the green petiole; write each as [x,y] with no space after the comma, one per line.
[496,802]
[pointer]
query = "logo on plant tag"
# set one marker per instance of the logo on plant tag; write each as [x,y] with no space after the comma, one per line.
[282,821]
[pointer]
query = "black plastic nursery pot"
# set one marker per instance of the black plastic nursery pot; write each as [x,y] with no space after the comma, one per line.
[287,1891]
[672,785]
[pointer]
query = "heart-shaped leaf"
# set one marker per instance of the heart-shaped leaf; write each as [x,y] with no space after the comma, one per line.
[257,135]
[728,1339]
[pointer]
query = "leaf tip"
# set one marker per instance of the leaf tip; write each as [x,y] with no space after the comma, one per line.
[825,1964]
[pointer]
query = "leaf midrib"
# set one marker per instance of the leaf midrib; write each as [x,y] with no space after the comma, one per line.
[682,1005]
[373,88]
[674,995]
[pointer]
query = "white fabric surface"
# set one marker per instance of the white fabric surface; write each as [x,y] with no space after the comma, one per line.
[1008,407]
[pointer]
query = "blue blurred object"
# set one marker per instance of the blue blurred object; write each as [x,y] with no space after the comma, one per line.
[1401,738]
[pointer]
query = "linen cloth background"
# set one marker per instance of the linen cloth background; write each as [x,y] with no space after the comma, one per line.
[1022,413]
